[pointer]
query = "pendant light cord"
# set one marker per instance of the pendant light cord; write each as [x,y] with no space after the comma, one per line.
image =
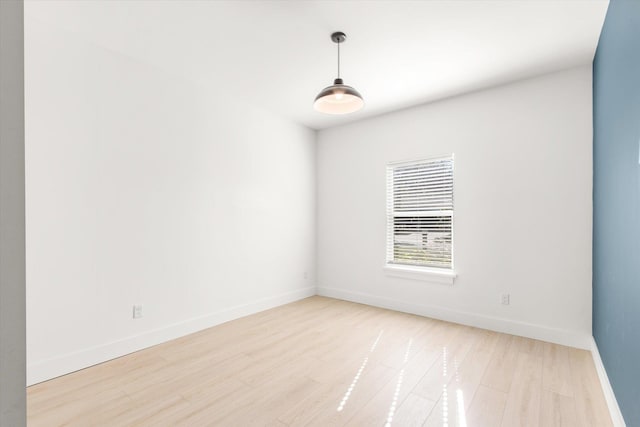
[338,59]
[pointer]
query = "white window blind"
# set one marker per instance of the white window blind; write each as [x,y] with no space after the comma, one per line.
[420,213]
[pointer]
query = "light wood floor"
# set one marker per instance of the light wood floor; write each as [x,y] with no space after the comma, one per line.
[326,362]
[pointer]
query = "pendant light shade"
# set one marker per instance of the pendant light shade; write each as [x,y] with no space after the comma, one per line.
[338,98]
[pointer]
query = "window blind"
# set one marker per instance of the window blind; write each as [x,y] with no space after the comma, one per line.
[419,213]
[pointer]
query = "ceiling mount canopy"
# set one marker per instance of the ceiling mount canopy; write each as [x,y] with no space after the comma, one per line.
[338,98]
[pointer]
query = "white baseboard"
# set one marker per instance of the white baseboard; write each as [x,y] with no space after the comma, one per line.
[50,368]
[529,330]
[609,396]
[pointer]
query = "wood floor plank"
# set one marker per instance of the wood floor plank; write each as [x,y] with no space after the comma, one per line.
[142,411]
[413,412]
[390,398]
[524,397]
[326,362]
[591,407]
[501,369]
[529,346]
[556,372]
[452,355]
[558,410]
[487,407]
[263,409]
[351,398]
[76,412]
[468,376]
[449,410]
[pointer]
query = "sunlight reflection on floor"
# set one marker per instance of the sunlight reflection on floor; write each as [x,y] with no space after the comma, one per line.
[462,418]
[457,410]
[445,394]
[394,402]
[454,415]
[347,394]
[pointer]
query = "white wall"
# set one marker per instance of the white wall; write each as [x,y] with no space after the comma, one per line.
[143,187]
[12,227]
[522,217]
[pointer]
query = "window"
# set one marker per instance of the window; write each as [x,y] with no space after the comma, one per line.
[420,215]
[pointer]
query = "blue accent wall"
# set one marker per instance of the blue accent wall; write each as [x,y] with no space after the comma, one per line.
[616,203]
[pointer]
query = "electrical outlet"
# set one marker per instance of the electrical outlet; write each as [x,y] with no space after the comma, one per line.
[137,311]
[306,275]
[504,299]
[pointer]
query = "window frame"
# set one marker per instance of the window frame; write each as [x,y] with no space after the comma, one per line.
[443,275]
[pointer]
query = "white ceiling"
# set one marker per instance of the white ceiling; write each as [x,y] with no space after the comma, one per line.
[278,54]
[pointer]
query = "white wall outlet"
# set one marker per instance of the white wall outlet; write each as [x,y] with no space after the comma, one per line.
[137,311]
[306,275]
[504,299]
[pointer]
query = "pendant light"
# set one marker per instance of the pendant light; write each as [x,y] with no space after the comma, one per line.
[338,98]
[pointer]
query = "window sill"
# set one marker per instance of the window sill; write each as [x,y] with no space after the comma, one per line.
[445,277]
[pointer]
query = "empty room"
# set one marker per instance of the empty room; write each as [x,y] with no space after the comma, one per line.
[320,213]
